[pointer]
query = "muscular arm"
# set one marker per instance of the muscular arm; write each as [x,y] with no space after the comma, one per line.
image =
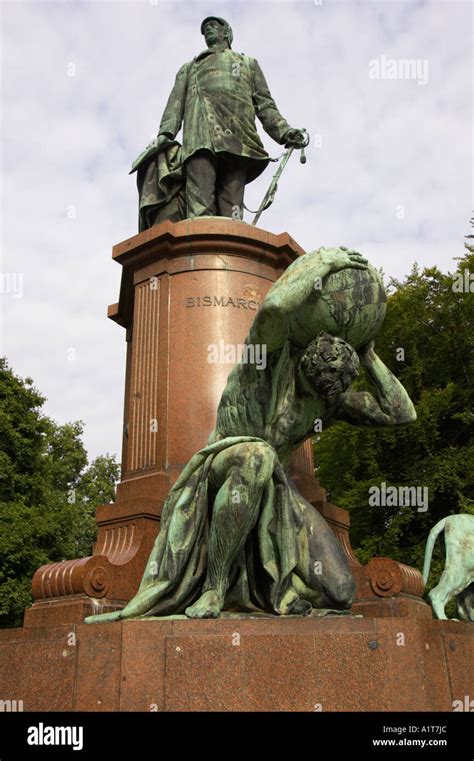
[391,404]
[297,289]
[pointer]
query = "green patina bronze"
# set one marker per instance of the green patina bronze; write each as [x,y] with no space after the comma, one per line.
[236,535]
[215,99]
[457,579]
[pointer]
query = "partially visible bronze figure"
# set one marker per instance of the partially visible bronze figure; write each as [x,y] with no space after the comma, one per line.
[457,579]
[216,98]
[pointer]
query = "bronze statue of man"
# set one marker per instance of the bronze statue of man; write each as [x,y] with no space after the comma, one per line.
[216,98]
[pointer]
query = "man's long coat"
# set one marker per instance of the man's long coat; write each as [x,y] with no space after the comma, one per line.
[216,97]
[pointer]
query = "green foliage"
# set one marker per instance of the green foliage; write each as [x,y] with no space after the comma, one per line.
[434,326]
[48,492]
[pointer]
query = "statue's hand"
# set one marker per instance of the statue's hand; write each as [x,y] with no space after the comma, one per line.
[341,258]
[296,138]
[159,142]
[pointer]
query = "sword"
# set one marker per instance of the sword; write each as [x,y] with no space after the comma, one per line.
[270,194]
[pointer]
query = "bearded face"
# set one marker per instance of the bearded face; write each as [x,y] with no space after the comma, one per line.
[331,364]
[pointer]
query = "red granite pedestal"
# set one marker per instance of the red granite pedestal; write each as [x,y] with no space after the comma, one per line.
[259,664]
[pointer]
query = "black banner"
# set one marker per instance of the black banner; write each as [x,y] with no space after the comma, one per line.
[91,735]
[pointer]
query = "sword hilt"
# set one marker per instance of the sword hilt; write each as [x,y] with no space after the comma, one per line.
[302,154]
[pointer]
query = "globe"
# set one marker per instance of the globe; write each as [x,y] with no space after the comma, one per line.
[351,304]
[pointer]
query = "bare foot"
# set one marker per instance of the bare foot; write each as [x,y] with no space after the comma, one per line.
[209,605]
[300,608]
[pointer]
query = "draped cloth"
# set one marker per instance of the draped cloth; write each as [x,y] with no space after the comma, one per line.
[262,578]
[161,182]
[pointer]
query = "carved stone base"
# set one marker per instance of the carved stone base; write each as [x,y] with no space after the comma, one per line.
[236,664]
[105,581]
[69,610]
[399,606]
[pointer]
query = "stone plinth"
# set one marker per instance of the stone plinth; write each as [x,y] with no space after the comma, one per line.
[236,664]
[185,286]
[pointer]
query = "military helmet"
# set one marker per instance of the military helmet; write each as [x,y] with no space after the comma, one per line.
[224,23]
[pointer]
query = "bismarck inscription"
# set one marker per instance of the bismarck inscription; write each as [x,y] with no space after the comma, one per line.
[221,301]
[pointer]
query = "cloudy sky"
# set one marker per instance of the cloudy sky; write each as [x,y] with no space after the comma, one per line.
[84,84]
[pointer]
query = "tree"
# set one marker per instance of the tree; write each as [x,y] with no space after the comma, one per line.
[469,245]
[427,341]
[48,492]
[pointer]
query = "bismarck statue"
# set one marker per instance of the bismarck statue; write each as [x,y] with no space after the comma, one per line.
[216,98]
[236,534]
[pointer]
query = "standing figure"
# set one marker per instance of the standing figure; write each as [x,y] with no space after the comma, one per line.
[216,98]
